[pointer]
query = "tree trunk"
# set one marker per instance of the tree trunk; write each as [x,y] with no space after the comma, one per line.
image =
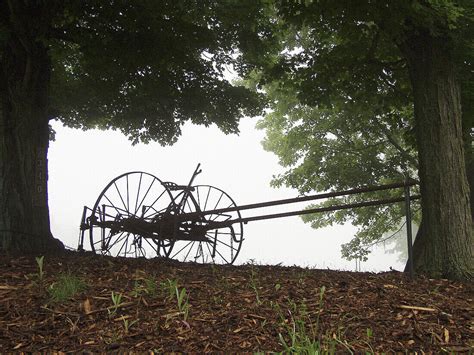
[24,136]
[444,245]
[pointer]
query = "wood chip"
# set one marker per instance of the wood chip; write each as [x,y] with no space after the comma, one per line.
[417,308]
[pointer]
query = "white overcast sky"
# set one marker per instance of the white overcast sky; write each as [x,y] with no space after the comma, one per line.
[81,163]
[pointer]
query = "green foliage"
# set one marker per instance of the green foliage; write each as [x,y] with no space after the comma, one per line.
[66,287]
[144,67]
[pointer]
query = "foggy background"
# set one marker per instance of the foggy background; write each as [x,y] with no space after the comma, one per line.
[81,164]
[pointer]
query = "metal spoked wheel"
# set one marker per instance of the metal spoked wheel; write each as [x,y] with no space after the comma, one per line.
[127,198]
[221,245]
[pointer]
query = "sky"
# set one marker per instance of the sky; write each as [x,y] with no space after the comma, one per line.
[82,163]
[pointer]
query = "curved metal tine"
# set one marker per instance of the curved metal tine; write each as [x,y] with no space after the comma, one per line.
[227,245]
[189,251]
[233,234]
[151,206]
[201,253]
[154,248]
[120,195]
[146,194]
[217,251]
[210,252]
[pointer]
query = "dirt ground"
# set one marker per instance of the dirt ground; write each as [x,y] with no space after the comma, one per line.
[165,306]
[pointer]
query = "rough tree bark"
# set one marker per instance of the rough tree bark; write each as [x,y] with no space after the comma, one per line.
[24,133]
[445,242]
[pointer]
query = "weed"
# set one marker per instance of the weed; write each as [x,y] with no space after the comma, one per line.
[169,287]
[277,287]
[127,325]
[300,330]
[254,285]
[117,302]
[146,286]
[67,286]
[183,302]
[39,262]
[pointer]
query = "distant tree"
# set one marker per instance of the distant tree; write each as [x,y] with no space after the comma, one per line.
[338,149]
[142,67]
[355,69]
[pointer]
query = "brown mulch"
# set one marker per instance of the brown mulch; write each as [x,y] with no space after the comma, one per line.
[246,308]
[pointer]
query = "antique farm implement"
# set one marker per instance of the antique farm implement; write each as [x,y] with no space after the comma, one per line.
[137,215]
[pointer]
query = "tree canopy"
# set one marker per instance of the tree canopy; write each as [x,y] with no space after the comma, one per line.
[145,68]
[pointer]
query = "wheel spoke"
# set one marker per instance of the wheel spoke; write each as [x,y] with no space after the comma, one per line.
[128,196]
[120,195]
[146,194]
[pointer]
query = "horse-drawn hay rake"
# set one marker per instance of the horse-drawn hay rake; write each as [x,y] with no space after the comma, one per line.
[138,215]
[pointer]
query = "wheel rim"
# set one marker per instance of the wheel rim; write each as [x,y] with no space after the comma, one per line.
[133,195]
[223,245]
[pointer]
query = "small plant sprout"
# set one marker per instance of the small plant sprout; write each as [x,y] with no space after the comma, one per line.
[277,287]
[169,287]
[183,302]
[254,285]
[39,262]
[127,325]
[117,302]
[369,334]
[146,286]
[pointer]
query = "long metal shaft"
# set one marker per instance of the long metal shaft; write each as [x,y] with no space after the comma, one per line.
[186,216]
[312,210]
